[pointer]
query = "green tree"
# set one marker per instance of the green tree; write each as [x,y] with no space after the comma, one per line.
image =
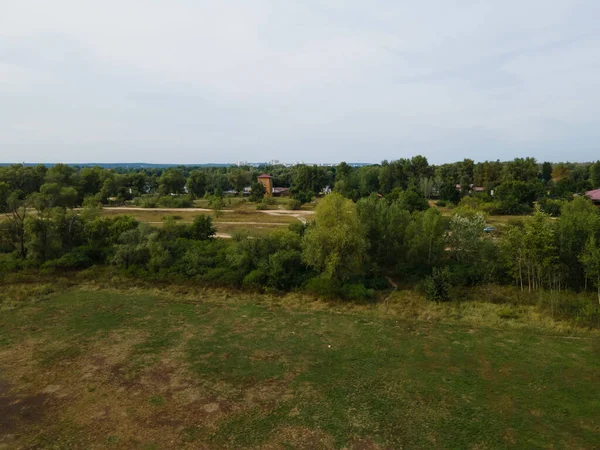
[530,252]
[546,172]
[172,181]
[579,221]
[4,194]
[595,175]
[239,178]
[216,203]
[464,237]
[197,183]
[449,192]
[202,228]
[258,192]
[308,182]
[13,229]
[590,258]
[426,187]
[425,238]
[386,225]
[336,244]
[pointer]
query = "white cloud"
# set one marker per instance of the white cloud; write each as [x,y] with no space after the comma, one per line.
[199,81]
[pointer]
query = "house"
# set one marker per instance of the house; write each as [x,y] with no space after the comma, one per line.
[594,196]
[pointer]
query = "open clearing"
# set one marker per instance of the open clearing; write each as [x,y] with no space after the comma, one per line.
[154,369]
[250,222]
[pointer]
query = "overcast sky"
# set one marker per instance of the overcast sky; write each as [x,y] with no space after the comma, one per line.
[194,81]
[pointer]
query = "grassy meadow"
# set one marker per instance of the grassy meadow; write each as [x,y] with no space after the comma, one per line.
[86,365]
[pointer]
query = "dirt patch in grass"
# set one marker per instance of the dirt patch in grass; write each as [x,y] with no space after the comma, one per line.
[18,410]
[299,438]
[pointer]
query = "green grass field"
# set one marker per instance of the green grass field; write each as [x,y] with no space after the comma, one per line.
[185,367]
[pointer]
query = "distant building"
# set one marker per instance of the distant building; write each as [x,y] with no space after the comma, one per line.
[594,196]
[281,192]
[267,182]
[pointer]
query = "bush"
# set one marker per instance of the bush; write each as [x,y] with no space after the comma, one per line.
[442,203]
[550,206]
[294,204]
[202,228]
[356,291]
[323,287]
[172,217]
[146,202]
[437,286]
[508,313]
[175,201]
[75,260]
[261,207]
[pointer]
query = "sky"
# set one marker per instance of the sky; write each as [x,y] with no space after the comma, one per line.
[195,81]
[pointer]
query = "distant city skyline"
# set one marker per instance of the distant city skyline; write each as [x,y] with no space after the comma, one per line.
[193,82]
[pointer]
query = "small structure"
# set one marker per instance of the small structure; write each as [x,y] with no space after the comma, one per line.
[281,192]
[594,196]
[267,182]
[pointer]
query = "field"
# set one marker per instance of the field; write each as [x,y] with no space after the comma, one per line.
[86,366]
[234,219]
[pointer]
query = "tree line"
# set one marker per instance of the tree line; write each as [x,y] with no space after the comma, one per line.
[358,240]
[510,187]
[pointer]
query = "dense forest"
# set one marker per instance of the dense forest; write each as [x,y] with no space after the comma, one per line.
[379,223]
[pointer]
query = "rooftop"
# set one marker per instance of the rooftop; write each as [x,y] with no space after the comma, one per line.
[593,195]
[264,175]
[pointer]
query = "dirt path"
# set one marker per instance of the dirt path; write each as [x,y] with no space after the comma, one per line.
[138,208]
[300,215]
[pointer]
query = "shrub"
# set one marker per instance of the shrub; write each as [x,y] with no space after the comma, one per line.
[172,217]
[175,201]
[508,313]
[294,204]
[356,291]
[442,203]
[255,279]
[550,206]
[77,259]
[261,207]
[146,202]
[202,228]
[437,286]
[323,287]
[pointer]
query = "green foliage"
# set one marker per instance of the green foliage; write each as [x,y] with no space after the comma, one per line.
[517,197]
[308,182]
[202,228]
[437,286]
[294,204]
[425,240]
[216,203]
[590,258]
[197,183]
[449,193]
[336,245]
[258,192]
[172,181]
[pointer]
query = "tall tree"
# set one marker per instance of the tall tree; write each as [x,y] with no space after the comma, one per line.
[590,258]
[595,175]
[336,244]
[172,181]
[197,183]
